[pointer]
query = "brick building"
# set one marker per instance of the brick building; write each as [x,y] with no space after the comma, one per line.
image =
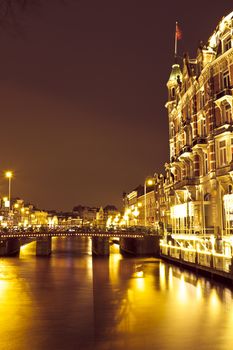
[196,194]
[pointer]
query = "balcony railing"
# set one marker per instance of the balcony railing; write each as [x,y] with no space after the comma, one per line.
[224,170]
[226,127]
[199,140]
[186,150]
[223,93]
[185,182]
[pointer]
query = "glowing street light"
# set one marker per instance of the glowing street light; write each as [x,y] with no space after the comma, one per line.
[148,182]
[9,175]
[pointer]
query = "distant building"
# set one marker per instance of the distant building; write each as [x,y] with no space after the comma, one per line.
[87,214]
[101,219]
[24,215]
[139,206]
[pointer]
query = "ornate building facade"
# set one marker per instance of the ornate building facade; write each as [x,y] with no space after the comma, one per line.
[194,198]
[196,194]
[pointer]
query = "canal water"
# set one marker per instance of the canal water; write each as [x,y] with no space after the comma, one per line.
[74,301]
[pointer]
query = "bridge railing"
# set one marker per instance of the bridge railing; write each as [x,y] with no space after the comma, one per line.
[78,229]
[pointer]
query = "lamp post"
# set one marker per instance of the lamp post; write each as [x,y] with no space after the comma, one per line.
[135,214]
[9,175]
[148,182]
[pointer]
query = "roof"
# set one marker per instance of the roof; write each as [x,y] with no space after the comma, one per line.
[175,72]
[223,24]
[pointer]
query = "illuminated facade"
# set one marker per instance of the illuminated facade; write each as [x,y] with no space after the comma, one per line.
[140,206]
[22,215]
[196,195]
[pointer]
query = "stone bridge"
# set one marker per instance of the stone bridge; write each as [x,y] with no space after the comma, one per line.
[131,241]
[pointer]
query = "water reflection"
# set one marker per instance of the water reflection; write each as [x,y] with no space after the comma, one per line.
[74,301]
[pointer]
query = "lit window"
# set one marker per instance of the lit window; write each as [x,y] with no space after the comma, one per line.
[222,153]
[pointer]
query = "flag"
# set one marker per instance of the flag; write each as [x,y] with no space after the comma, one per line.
[178,32]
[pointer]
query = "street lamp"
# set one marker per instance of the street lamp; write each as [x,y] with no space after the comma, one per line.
[8,175]
[135,214]
[148,182]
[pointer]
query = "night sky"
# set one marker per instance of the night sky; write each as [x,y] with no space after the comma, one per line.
[82,91]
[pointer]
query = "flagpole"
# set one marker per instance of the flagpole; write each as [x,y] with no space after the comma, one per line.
[176,40]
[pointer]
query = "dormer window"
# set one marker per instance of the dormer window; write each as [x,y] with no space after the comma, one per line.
[173,92]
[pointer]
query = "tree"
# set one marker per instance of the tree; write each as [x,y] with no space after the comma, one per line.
[10,10]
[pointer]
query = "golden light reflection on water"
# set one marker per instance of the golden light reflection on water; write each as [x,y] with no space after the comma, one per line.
[138,300]
[140,282]
[170,278]
[15,304]
[162,276]
[198,291]
[27,250]
[128,304]
[114,263]
[89,246]
[3,287]
[214,303]
[182,293]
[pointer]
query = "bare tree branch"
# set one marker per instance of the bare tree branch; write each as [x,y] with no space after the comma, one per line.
[12,13]
[10,10]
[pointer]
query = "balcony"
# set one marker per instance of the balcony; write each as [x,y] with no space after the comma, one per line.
[227,127]
[185,182]
[224,95]
[199,142]
[224,170]
[185,151]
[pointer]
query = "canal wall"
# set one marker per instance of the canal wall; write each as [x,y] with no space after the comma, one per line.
[9,246]
[148,245]
[214,265]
